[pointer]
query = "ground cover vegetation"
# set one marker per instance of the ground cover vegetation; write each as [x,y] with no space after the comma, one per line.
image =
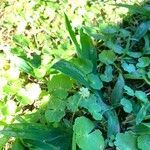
[74,75]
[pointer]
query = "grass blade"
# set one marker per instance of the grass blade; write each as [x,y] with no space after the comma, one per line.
[72,35]
[33,131]
[140,32]
[117,92]
[87,48]
[71,70]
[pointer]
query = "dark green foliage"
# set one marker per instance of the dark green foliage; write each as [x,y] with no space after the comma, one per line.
[38,135]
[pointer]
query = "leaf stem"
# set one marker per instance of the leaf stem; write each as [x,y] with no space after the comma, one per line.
[73,141]
[120,71]
[75,112]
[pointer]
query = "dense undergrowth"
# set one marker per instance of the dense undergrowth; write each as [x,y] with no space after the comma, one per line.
[88,90]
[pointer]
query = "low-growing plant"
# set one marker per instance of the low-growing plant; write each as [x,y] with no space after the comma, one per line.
[98,99]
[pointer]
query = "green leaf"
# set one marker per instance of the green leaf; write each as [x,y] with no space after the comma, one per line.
[3,141]
[108,29]
[107,76]
[141,31]
[88,49]
[17,145]
[107,57]
[21,40]
[113,123]
[127,105]
[72,102]
[83,64]
[37,145]
[12,87]
[146,48]
[117,92]
[60,93]
[148,74]
[92,106]
[24,66]
[90,103]
[133,76]
[71,70]
[86,138]
[128,67]
[72,35]
[95,81]
[142,113]
[134,54]
[141,96]
[95,111]
[59,81]
[126,141]
[35,131]
[128,90]
[114,46]
[55,110]
[143,62]
[124,33]
[18,51]
[36,60]
[54,115]
[142,129]
[144,142]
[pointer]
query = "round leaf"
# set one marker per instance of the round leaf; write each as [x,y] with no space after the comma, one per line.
[107,57]
[86,138]
[144,142]
[95,82]
[127,105]
[126,141]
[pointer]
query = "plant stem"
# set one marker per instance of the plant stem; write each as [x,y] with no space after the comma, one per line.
[75,112]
